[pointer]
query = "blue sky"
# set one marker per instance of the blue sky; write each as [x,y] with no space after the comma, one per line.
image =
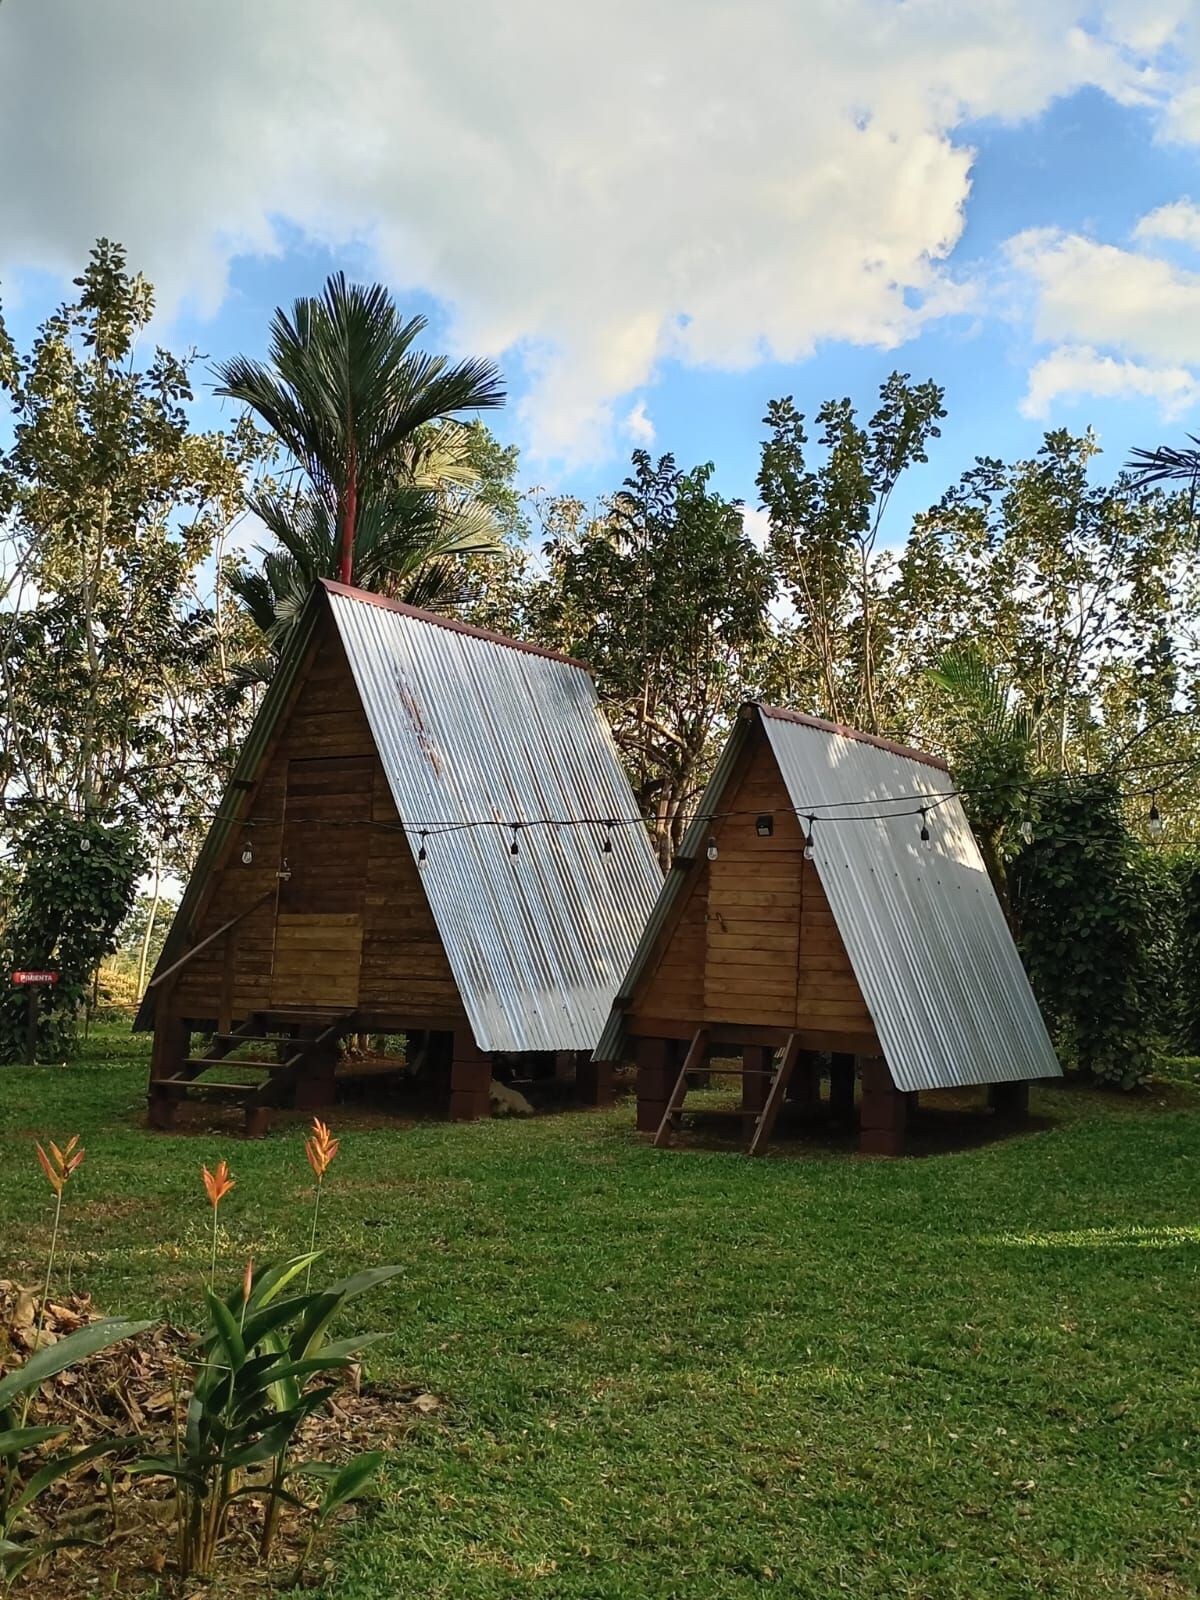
[657,217]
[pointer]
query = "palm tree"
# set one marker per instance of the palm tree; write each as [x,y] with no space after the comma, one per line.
[1166,464]
[347,394]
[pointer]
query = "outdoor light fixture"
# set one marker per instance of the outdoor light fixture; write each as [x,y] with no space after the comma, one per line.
[765,826]
[247,855]
[85,845]
[711,852]
[924,828]
[514,848]
[1154,820]
[421,853]
[1027,830]
[606,849]
[810,848]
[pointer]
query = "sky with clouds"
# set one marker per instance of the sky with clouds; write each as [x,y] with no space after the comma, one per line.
[657,214]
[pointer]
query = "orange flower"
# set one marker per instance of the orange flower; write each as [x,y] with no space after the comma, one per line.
[320,1149]
[60,1165]
[217,1184]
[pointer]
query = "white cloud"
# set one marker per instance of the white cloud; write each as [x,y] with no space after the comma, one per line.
[757,523]
[1178,222]
[1099,294]
[1072,372]
[596,189]
[639,425]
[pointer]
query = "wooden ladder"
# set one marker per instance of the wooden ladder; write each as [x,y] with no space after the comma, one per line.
[764,1124]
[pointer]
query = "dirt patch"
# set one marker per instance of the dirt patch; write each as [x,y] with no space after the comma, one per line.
[135,1388]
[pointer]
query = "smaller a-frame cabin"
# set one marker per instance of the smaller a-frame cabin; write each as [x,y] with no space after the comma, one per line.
[364,874]
[830,899]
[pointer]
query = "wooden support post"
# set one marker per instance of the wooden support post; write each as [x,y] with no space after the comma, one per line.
[593,1080]
[841,1090]
[316,1085]
[656,1072]
[1009,1100]
[804,1090]
[172,1040]
[884,1112]
[470,1079]
[758,1061]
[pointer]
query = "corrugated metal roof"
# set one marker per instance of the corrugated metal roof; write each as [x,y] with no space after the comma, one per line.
[470,727]
[923,928]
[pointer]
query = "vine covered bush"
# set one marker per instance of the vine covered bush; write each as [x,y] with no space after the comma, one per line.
[72,890]
[1095,931]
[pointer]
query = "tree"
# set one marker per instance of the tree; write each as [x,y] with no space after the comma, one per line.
[666,597]
[1082,592]
[345,392]
[825,527]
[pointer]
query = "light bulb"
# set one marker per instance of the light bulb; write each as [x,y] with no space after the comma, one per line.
[711,852]
[1155,821]
[514,848]
[247,855]
[85,845]
[925,837]
[810,848]
[1027,830]
[421,853]
[607,847]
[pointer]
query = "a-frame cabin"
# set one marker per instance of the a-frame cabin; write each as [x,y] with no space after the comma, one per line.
[807,916]
[360,874]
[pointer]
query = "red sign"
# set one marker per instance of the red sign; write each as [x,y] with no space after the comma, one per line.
[28,979]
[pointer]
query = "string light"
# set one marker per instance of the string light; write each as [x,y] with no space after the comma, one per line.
[711,852]
[607,847]
[925,835]
[247,854]
[1026,830]
[514,849]
[810,848]
[85,844]
[1154,820]
[422,853]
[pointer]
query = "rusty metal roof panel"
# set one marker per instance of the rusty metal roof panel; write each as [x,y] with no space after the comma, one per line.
[922,926]
[475,729]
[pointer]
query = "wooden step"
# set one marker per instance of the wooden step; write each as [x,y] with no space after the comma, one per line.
[199,1089]
[202,1063]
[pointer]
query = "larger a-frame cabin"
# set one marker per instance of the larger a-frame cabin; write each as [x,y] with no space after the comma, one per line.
[830,899]
[363,873]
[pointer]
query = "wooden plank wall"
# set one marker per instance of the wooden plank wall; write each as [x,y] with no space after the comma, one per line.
[755,943]
[384,927]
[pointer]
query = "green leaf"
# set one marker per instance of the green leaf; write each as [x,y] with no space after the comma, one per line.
[77,1346]
[350,1482]
[14,1440]
[60,1466]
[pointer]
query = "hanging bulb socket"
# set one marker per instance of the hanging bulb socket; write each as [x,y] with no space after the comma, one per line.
[711,851]
[925,835]
[606,849]
[514,849]
[85,844]
[810,847]
[1154,821]
[1026,830]
[247,854]
[422,853]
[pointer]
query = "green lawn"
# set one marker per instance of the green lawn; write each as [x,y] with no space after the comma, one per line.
[683,1374]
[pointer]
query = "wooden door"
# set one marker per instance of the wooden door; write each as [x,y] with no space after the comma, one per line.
[319,926]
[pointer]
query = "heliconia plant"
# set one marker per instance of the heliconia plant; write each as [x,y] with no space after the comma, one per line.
[60,1166]
[320,1148]
[216,1186]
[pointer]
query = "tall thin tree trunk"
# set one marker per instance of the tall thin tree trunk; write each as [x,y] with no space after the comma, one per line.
[349,518]
[147,936]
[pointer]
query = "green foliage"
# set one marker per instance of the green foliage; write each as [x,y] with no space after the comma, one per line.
[75,886]
[1185,969]
[666,598]
[24,1539]
[1089,930]
[825,527]
[258,1373]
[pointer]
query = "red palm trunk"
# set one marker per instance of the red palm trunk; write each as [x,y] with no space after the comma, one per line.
[349,518]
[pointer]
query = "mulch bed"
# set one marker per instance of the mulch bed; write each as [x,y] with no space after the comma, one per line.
[133,1388]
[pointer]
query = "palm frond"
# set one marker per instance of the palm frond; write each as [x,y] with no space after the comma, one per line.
[1166,464]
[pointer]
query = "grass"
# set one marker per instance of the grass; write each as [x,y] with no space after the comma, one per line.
[683,1374]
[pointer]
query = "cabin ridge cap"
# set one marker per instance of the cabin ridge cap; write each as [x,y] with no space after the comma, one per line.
[436,619]
[822,725]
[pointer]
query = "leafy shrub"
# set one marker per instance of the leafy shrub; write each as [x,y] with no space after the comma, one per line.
[1091,930]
